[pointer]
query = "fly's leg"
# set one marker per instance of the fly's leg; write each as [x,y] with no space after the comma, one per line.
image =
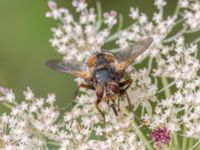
[86,86]
[118,103]
[113,107]
[131,106]
[97,106]
[129,102]
[126,83]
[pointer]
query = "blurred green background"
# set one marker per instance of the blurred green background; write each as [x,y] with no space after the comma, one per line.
[24,44]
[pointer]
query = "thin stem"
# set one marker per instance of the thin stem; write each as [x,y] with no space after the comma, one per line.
[150,64]
[173,37]
[116,34]
[177,9]
[141,136]
[8,105]
[196,54]
[184,144]
[120,22]
[198,148]
[191,31]
[167,94]
[142,114]
[176,144]
[168,86]
[190,143]
[197,40]
[53,143]
[165,86]
[196,144]
[99,15]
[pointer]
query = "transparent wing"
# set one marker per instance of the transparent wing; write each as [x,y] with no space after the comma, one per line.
[72,68]
[128,56]
[132,52]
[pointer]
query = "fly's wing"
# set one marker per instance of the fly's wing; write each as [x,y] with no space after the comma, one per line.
[69,67]
[126,57]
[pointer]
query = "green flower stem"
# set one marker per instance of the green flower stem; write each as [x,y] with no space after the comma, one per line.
[190,143]
[53,143]
[116,34]
[184,144]
[166,87]
[173,37]
[150,65]
[99,15]
[198,147]
[175,141]
[191,31]
[120,22]
[177,10]
[197,40]
[168,94]
[195,145]
[141,135]
[7,105]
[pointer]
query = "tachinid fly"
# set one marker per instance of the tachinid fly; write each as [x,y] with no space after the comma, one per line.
[104,73]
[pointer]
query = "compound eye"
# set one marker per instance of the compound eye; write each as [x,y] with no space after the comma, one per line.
[114,88]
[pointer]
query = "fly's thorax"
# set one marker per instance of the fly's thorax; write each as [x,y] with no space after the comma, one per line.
[103,74]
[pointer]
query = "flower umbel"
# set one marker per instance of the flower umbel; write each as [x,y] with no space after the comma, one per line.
[76,39]
[165,90]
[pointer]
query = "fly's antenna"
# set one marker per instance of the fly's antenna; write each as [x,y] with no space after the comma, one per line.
[97,50]
[102,50]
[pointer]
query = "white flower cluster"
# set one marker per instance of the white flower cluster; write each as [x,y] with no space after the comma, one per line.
[182,109]
[36,123]
[191,13]
[121,140]
[179,62]
[158,28]
[142,83]
[84,120]
[77,39]
[29,123]
[161,107]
